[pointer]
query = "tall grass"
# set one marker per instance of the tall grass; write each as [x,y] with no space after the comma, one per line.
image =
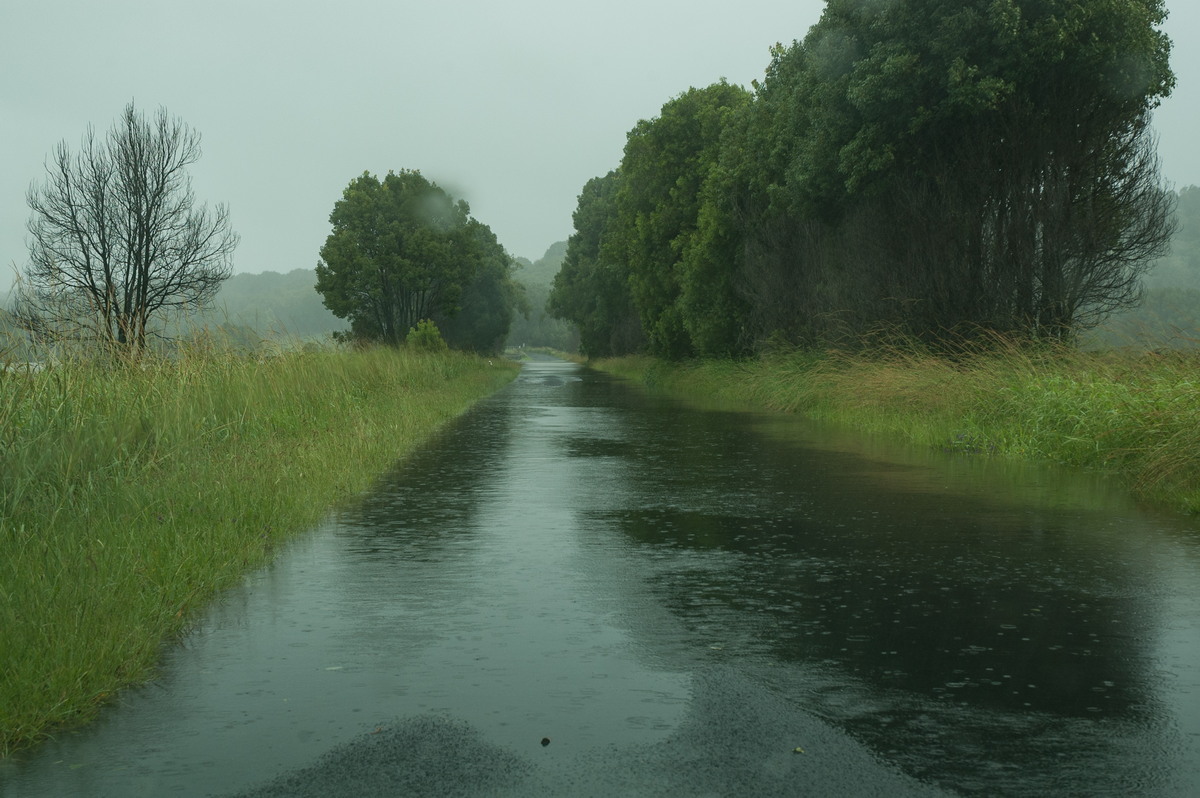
[131,492]
[1136,414]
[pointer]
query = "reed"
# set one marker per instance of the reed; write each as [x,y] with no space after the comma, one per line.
[132,492]
[1133,413]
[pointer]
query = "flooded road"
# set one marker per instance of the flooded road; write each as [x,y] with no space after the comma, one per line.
[680,602]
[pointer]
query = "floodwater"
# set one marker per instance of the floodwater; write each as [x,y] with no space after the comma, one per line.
[678,600]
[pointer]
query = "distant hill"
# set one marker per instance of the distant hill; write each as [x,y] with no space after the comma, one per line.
[271,302]
[1169,314]
[1180,268]
[540,329]
[542,271]
[1166,318]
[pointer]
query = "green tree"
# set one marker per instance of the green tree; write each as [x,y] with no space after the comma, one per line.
[401,250]
[1025,127]
[426,337]
[975,162]
[666,164]
[712,301]
[482,319]
[592,289]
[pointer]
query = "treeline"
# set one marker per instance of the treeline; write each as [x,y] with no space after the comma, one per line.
[928,167]
[1168,315]
[256,309]
[537,328]
[273,303]
[248,311]
[1180,267]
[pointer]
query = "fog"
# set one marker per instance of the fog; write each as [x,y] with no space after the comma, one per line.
[511,106]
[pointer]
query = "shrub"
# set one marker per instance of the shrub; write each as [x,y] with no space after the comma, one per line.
[426,337]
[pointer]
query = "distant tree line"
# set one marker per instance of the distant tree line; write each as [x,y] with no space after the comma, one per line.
[538,328]
[1180,267]
[1169,314]
[937,168]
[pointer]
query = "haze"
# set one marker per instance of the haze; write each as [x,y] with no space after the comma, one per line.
[512,106]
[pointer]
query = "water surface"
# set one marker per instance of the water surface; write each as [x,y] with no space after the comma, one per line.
[678,599]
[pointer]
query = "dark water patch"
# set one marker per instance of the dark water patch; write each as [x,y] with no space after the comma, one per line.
[1000,628]
[598,447]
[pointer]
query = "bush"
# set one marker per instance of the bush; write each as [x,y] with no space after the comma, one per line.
[426,337]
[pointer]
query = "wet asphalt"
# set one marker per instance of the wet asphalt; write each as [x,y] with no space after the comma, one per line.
[738,739]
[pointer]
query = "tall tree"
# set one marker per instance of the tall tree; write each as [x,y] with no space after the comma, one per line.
[397,255]
[975,162]
[484,314]
[116,236]
[591,290]
[666,164]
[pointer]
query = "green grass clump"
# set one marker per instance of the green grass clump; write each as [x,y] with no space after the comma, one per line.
[131,492]
[1135,414]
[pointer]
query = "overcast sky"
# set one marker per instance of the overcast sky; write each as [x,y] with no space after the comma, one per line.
[510,105]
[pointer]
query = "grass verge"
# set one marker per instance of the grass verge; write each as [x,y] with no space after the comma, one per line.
[1135,414]
[131,493]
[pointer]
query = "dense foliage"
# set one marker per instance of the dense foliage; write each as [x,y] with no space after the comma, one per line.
[592,289]
[933,167]
[402,250]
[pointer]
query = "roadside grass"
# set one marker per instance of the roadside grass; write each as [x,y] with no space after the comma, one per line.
[132,492]
[1133,413]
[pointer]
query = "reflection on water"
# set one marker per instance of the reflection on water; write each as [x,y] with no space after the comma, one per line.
[574,559]
[990,626]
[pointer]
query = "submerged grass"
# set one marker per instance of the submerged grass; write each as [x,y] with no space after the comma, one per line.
[1135,414]
[130,493]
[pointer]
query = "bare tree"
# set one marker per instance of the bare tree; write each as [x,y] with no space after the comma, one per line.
[116,236]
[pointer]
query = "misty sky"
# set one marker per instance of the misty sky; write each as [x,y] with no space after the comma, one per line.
[510,105]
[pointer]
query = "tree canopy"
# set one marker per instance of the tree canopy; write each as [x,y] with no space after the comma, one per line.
[667,162]
[402,250]
[929,166]
[592,288]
